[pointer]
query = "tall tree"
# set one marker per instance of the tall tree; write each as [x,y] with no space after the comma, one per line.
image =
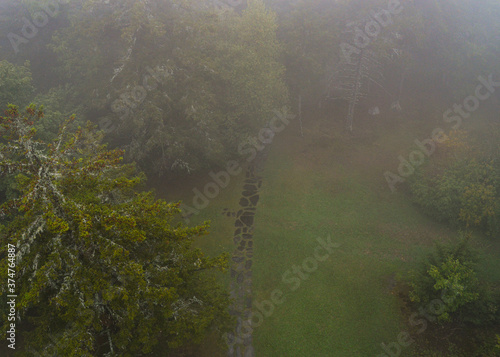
[310,33]
[15,83]
[211,80]
[100,268]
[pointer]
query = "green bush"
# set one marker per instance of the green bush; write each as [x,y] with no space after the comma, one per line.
[449,275]
[465,194]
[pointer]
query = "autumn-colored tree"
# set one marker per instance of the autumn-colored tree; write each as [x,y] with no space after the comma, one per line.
[100,267]
[461,185]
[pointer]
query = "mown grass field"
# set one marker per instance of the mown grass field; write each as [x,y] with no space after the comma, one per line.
[328,184]
[333,187]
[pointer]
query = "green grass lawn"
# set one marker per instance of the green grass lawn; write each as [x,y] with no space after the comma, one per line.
[346,306]
[329,185]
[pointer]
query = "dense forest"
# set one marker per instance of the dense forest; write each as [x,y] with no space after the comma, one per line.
[250,178]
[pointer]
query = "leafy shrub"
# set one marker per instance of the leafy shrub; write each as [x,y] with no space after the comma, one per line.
[449,275]
[464,192]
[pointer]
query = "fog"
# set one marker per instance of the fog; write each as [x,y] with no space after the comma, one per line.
[250,178]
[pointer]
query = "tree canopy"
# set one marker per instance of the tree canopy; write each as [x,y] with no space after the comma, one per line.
[98,262]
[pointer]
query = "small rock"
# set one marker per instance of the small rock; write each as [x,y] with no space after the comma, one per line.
[244,202]
[237,259]
[247,220]
[254,200]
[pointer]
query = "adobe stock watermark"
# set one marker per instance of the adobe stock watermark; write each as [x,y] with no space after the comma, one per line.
[133,98]
[455,116]
[224,6]
[248,148]
[372,28]
[430,313]
[293,279]
[38,20]
[221,4]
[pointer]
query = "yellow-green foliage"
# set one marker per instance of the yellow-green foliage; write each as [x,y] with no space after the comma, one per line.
[464,188]
[449,277]
[97,260]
